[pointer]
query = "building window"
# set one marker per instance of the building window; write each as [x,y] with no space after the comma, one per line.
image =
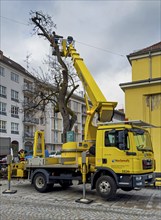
[14,77]
[14,95]
[75,106]
[55,115]
[41,121]
[3,92]
[1,71]
[55,124]
[28,132]
[14,111]
[3,108]
[153,101]
[14,128]
[3,126]
[56,137]
[28,86]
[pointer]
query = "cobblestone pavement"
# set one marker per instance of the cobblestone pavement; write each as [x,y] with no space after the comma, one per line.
[59,204]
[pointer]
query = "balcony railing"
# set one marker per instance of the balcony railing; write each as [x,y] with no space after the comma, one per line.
[28,104]
[31,120]
[28,135]
[28,88]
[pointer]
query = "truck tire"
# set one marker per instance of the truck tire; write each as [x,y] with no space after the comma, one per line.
[106,187]
[40,183]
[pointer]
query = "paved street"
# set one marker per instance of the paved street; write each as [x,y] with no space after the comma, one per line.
[28,204]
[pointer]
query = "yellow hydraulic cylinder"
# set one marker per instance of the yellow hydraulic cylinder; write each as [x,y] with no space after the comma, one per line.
[84,172]
[39,144]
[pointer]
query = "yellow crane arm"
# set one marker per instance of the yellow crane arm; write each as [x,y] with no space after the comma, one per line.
[100,105]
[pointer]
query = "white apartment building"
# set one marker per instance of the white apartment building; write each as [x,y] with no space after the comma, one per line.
[16,85]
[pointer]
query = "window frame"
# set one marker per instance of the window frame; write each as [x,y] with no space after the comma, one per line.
[116,142]
[14,95]
[14,111]
[15,77]
[3,108]
[3,91]
[14,128]
[2,71]
[3,126]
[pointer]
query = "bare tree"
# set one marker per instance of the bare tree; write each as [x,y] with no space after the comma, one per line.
[64,84]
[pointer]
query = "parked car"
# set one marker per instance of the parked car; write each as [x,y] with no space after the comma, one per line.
[55,154]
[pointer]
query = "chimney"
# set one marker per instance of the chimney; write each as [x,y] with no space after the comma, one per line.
[1,55]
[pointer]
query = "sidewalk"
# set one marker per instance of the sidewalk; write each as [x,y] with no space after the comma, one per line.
[144,204]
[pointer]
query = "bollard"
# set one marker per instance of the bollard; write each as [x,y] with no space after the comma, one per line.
[9,162]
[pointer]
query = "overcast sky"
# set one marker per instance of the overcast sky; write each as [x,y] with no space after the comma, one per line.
[105,33]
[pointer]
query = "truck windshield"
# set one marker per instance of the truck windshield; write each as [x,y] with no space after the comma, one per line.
[142,140]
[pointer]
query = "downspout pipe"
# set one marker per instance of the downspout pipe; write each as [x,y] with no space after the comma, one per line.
[150,65]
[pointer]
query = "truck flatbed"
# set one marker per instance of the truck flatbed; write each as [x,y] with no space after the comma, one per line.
[52,166]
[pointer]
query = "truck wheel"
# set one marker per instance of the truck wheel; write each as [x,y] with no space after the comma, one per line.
[106,187]
[40,183]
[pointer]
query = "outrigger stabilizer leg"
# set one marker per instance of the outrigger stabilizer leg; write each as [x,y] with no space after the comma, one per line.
[9,191]
[84,172]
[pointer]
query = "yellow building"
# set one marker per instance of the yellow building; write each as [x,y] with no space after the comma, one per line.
[143,94]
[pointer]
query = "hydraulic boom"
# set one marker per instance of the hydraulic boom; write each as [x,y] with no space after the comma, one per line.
[100,105]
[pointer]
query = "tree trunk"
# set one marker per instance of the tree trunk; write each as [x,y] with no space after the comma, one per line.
[69,117]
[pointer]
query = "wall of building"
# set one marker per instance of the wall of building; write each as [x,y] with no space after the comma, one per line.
[143,100]
[16,86]
[140,69]
[144,103]
[146,67]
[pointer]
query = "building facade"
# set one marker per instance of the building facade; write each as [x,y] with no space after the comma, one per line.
[16,89]
[143,94]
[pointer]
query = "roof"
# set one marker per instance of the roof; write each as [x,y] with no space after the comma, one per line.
[14,65]
[144,82]
[153,48]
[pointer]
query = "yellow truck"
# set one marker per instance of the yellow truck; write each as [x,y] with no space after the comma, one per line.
[111,156]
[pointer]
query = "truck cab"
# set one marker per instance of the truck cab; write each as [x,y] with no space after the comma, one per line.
[124,152]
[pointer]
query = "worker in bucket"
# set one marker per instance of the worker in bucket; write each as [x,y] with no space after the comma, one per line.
[21,155]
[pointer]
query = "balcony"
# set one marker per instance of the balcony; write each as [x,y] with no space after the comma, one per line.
[29,120]
[28,104]
[29,89]
[28,135]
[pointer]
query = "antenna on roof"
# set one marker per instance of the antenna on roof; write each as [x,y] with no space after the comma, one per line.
[27,60]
